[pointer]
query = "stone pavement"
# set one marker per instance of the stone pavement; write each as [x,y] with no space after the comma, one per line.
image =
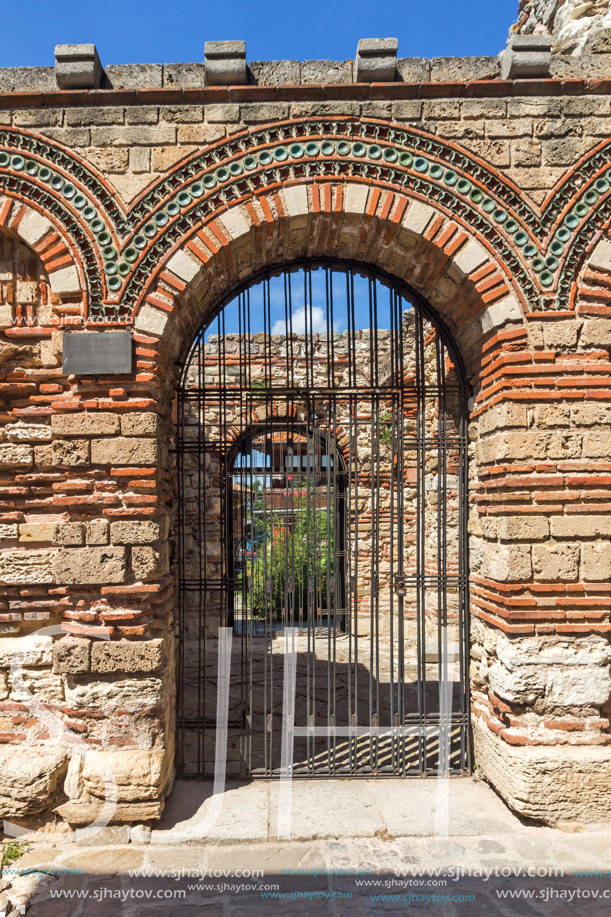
[366,832]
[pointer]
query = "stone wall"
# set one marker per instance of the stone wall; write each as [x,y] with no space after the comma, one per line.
[578,26]
[146,208]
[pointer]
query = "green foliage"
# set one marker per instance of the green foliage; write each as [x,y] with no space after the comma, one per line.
[385,432]
[13,850]
[291,557]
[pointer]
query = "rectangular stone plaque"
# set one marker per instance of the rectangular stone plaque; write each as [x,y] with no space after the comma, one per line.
[97,353]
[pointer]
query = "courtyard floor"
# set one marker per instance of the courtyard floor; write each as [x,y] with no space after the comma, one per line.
[356,847]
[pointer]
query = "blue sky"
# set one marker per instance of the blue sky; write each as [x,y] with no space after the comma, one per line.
[135,31]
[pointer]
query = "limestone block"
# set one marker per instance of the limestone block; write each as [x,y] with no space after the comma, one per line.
[37,531]
[507,563]
[78,812]
[65,281]
[596,562]
[151,320]
[507,310]
[89,565]
[184,266]
[28,432]
[140,774]
[235,223]
[94,423]
[578,686]
[32,650]
[376,60]
[551,415]
[42,683]
[78,66]
[19,568]
[225,63]
[468,259]
[70,533]
[561,335]
[591,650]
[71,655]
[124,450]
[148,563]
[596,444]
[601,256]
[556,563]
[3,686]
[97,531]
[502,416]
[518,445]
[129,655]
[128,693]
[70,453]
[29,776]
[8,531]
[523,528]
[522,685]
[16,455]
[33,227]
[590,415]
[582,526]
[418,217]
[129,532]
[554,784]
[596,332]
[141,424]
[296,199]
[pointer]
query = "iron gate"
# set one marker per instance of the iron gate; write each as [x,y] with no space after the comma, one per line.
[322,513]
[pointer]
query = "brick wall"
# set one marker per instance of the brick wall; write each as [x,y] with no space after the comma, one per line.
[421,179]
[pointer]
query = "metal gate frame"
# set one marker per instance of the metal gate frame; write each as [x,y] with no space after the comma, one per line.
[373,747]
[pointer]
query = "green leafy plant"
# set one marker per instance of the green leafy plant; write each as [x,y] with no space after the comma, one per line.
[295,559]
[13,850]
[385,432]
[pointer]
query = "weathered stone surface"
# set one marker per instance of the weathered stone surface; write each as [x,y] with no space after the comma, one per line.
[148,563]
[554,563]
[143,424]
[124,450]
[129,655]
[552,784]
[97,531]
[29,778]
[27,566]
[32,650]
[89,565]
[45,685]
[28,432]
[70,533]
[507,563]
[85,813]
[16,455]
[128,693]
[70,453]
[596,562]
[523,528]
[94,423]
[129,532]
[140,774]
[71,655]
[37,531]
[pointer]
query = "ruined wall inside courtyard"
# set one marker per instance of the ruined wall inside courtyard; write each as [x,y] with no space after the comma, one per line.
[88,480]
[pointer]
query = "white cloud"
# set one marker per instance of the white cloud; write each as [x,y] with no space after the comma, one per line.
[316,322]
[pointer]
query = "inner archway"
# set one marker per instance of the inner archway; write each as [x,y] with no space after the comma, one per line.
[322,445]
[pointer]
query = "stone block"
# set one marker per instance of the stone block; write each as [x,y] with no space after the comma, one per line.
[588,525]
[596,562]
[33,650]
[418,217]
[235,223]
[225,63]
[65,280]
[89,565]
[28,432]
[523,528]
[556,563]
[326,72]
[601,256]
[582,686]
[97,531]
[16,455]
[596,332]
[8,531]
[140,774]
[129,655]
[517,445]
[591,650]
[37,531]
[527,57]
[133,532]
[29,778]
[551,415]
[552,784]
[94,423]
[34,227]
[184,266]
[503,416]
[42,683]
[468,259]
[20,568]
[151,320]
[127,693]
[148,563]
[70,533]
[376,60]
[521,685]
[124,450]
[507,563]
[71,655]
[70,453]
[78,67]
[507,310]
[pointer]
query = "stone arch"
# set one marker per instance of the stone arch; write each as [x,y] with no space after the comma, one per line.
[414,241]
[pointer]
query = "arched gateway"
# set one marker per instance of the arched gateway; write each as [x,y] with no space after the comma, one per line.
[322,458]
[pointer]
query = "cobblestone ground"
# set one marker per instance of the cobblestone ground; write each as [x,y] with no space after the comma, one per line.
[358,848]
